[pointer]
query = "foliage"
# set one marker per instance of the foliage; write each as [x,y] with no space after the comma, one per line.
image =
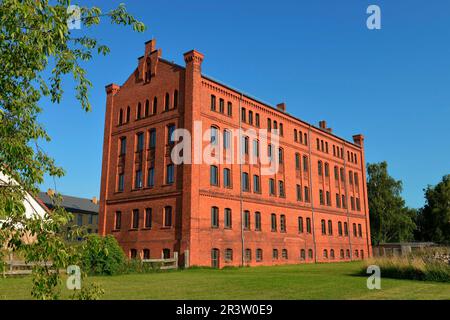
[390,220]
[102,255]
[434,218]
[35,40]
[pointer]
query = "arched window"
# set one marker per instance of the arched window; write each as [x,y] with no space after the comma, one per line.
[167,102]
[213,102]
[214,175]
[248,255]
[120,117]
[229,255]
[275,125]
[281,129]
[259,255]
[347,252]
[275,254]
[356,253]
[295,135]
[310,254]
[325,253]
[214,135]
[128,114]
[305,140]
[341,255]
[214,217]
[284,254]
[340,227]
[297,161]
[324,227]
[155,105]
[133,254]
[138,111]
[146,254]
[319,167]
[305,163]
[302,254]
[147,108]
[332,253]
[280,156]
[269,124]
[327,169]
[246,220]
[273,222]
[330,227]
[227,218]
[175,99]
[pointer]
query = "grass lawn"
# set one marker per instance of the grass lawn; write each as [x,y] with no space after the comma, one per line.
[312,281]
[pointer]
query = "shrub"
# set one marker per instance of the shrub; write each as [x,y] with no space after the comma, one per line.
[102,255]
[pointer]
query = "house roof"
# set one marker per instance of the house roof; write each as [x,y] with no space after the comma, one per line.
[72,204]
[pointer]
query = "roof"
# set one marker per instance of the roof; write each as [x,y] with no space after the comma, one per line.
[73,204]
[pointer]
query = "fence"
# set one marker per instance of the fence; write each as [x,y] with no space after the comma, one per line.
[20,268]
[165,264]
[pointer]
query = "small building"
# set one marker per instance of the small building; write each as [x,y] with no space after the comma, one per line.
[85,211]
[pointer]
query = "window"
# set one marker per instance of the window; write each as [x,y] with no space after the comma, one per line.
[215,258]
[248,255]
[347,253]
[356,179]
[319,168]
[230,109]
[310,254]
[155,105]
[336,173]
[332,253]
[280,156]
[341,254]
[214,217]
[245,182]
[275,126]
[213,175]
[213,103]
[138,111]
[123,146]
[342,174]
[175,99]
[324,229]
[152,139]
[275,254]
[151,176]
[325,254]
[354,230]
[300,224]
[344,203]
[330,227]
[321,199]
[305,163]
[256,184]
[166,253]
[258,221]
[246,220]
[243,114]
[328,197]
[356,253]
[259,255]
[345,229]
[148,218]
[256,148]
[352,202]
[118,220]
[228,255]
[350,177]
[257,120]
[244,145]
[135,219]
[295,135]
[299,192]
[169,174]
[302,254]
[327,169]
[226,139]
[120,185]
[146,254]
[170,131]
[338,200]
[128,114]
[306,194]
[147,108]
[283,223]
[140,142]
[297,161]
[305,140]
[359,230]
[271,187]
[214,136]
[308,225]
[167,216]
[269,124]
[281,188]
[281,129]
[273,221]
[133,253]
[318,143]
[250,117]
[284,254]
[227,218]
[226,178]
[269,151]
[120,117]
[340,228]
[138,179]
[358,204]
[221,105]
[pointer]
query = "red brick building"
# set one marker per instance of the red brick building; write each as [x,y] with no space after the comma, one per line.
[313,209]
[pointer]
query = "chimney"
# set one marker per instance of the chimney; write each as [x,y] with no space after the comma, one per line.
[323,124]
[50,192]
[150,46]
[281,106]
[94,200]
[359,140]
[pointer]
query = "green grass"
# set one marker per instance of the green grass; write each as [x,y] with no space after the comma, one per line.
[313,281]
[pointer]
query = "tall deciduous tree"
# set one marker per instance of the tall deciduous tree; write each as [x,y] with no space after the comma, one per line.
[434,218]
[35,39]
[390,220]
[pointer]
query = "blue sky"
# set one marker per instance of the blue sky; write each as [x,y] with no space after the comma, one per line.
[392,85]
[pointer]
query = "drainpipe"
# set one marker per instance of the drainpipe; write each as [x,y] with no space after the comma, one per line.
[311,195]
[347,203]
[240,184]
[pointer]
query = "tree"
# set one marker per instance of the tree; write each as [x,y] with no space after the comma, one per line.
[35,39]
[390,220]
[434,218]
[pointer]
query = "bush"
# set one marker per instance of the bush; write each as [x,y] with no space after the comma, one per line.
[102,255]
